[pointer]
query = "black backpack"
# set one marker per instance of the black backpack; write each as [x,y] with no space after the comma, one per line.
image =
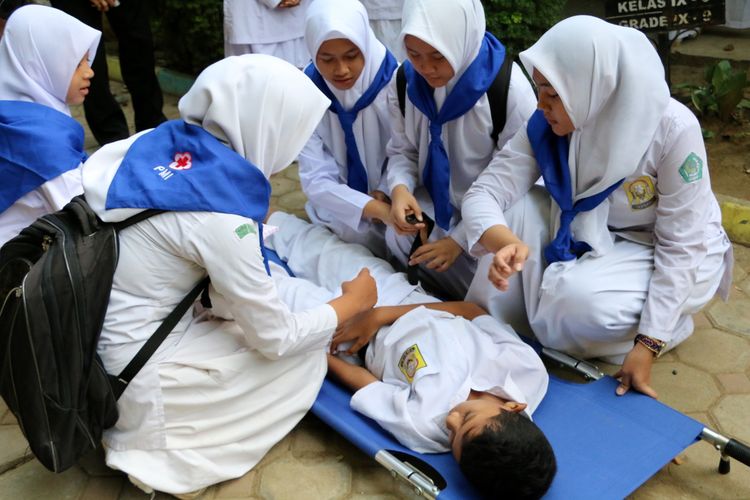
[55,281]
[497,95]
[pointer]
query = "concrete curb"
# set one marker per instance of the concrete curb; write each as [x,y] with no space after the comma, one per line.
[735,217]
[171,82]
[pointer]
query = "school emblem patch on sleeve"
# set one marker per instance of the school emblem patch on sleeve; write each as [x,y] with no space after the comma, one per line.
[243,230]
[641,192]
[411,361]
[692,168]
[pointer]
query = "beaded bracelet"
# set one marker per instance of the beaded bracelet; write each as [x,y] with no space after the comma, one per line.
[654,345]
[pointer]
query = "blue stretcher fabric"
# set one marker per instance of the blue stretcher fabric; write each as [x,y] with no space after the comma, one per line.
[606,445]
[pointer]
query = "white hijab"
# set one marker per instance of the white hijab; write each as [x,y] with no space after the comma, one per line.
[455,29]
[331,19]
[39,52]
[262,107]
[611,82]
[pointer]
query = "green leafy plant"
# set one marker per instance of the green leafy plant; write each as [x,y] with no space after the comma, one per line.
[722,93]
[519,23]
[189,33]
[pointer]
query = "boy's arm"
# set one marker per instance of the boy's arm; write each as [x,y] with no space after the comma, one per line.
[352,376]
[360,329]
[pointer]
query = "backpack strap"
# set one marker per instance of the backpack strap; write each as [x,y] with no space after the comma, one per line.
[121,381]
[401,89]
[497,94]
[119,226]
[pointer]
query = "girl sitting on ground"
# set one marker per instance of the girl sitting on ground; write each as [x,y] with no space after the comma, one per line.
[45,56]
[342,165]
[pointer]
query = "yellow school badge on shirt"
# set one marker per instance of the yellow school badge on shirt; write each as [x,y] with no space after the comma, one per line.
[411,361]
[641,192]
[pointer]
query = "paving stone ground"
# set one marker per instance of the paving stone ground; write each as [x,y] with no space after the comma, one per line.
[707,377]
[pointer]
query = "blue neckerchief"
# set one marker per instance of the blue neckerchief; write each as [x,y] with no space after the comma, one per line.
[472,85]
[356,177]
[37,144]
[181,167]
[551,152]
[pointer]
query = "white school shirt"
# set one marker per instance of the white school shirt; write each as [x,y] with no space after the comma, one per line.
[50,197]
[202,398]
[467,142]
[259,21]
[667,202]
[383,9]
[323,167]
[428,362]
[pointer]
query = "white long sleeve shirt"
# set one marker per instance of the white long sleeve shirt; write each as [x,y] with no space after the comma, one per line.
[667,202]
[467,142]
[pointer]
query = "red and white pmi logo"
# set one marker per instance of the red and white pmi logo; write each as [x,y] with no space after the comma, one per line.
[182,161]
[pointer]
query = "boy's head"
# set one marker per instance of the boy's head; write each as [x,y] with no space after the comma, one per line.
[500,450]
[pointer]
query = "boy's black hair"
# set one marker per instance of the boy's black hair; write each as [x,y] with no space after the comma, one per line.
[510,458]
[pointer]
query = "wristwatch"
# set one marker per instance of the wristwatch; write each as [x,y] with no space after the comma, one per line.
[656,346]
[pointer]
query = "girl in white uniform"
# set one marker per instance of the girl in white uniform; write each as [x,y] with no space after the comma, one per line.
[443,140]
[45,57]
[342,165]
[627,165]
[218,393]
[435,367]
[385,20]
[272,27]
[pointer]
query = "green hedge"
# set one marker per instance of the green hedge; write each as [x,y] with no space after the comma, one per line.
[189,33]
[519,23]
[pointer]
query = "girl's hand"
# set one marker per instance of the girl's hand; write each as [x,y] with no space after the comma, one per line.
[378,211]
[362,289]
[438,255]
[359,329]
[404,203]
[636,371]
[381,196]
[506,262]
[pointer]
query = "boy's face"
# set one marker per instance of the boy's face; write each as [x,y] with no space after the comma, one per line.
[79,84]
[428,62]
[340,62]
[466,420]
[552,106]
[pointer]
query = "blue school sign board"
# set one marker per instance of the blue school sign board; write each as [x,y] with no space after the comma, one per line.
[665,15]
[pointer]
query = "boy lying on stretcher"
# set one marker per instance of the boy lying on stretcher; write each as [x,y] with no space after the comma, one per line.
[440,375]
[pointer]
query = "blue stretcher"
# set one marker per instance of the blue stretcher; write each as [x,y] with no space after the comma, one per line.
[626,439]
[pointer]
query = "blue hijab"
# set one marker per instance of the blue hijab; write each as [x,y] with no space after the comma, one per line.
[551,152]
[472,85]
[37,144]
[356,172]
[181,167]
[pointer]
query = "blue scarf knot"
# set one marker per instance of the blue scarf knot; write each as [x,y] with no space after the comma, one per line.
[472,85]
[356,173]
[37,144]
[551,152]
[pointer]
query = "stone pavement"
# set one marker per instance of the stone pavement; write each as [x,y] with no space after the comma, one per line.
[707,377]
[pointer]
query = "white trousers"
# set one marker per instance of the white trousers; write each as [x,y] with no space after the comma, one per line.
[589,307]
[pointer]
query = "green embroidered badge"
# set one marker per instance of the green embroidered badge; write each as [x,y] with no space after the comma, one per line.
[692,168]
[244,230]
